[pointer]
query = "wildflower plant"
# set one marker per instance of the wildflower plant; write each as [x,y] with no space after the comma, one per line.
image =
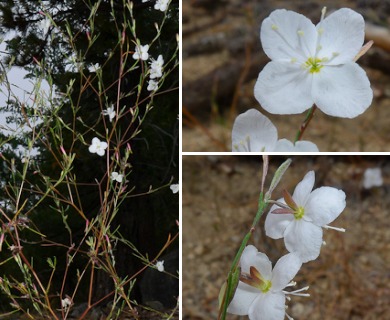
[312,67]
[253,287]
[76,159]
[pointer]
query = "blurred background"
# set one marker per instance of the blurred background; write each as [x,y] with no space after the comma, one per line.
[222,57]
[351,278]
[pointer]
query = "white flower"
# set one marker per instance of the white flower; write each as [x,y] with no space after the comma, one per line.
[175,188]
[141,52]
[160,266]
[117,177]
[260,293]
[254,132]
[110,112]
[161,5]
[156,67]
[98,146]
[372,178]
[65,303]
[313,64]
[301,220]
[152,85]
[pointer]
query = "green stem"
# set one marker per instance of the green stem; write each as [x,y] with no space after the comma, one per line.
[305,123]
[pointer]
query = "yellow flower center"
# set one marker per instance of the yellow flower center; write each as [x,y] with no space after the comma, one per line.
[313,65]
[265,286]
[299,213]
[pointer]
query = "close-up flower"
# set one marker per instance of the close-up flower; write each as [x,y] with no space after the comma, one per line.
[141,52]
[254,132]
[98,146]
[299,218]
[260,292]
[313,64]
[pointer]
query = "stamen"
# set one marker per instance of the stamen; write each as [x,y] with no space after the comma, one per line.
[276,29]
[288,317]
[320,32]
[297,292]
[291,284]
[323,12]
[334,228]
[300,33]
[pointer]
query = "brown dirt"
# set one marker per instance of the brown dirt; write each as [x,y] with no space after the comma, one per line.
[212,130]
[351,278]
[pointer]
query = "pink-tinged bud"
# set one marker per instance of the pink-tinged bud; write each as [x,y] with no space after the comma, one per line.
[128,147]
[88,36]
[86,225]
[62,150]
[1,240]
[177,223]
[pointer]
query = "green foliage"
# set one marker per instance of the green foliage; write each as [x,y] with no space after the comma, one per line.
[82,229]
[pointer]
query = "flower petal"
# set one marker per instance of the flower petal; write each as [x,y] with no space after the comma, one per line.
[285,270]
[304,238]
[243,298]
[324,205]
[284,88]
[276,224]
[303,189]
[252,131]
[251,257]
[284,145]
[342,91]
[342,36]
[268,306]
[287,35]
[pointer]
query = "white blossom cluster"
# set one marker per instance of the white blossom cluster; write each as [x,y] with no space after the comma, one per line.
[310,65]
[299,219]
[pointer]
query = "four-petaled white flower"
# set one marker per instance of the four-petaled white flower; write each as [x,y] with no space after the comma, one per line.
[98,146]
[260,293]
[303,215]
[117,177]
[175,188]
[313,64]
[254,132]
[372,178]
[161,5]
[152,85]
[110,112]
[160,266]
[156,67]
[141,52]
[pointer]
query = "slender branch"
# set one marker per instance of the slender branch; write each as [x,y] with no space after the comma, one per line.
[305,123]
